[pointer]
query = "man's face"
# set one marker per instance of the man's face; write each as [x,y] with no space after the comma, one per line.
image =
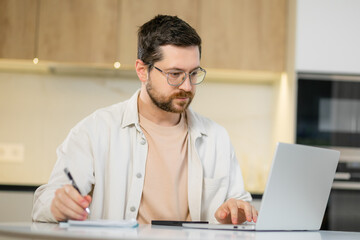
[169,98]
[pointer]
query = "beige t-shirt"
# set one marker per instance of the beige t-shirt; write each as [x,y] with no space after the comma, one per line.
[165,195]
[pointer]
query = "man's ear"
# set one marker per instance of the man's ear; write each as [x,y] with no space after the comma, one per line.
[141,70]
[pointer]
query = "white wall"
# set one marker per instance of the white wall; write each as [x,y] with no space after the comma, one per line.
[38,110]
[328,36]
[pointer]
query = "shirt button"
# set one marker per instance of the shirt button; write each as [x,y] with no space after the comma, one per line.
[143,141]
[132,209]
[138,175]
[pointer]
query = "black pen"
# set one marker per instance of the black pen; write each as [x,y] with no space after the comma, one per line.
[68,174]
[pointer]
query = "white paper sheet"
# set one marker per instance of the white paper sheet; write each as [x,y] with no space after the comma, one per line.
[100,223]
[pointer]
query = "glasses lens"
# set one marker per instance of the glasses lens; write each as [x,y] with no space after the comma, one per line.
[175,78]
[197,76]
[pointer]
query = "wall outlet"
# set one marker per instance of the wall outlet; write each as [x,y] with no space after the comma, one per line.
[11,152]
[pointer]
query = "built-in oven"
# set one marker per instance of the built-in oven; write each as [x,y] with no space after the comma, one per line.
[328,115]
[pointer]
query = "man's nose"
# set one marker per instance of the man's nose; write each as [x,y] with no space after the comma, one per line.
[186,85]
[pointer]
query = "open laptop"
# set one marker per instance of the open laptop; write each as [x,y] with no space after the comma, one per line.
[297,190]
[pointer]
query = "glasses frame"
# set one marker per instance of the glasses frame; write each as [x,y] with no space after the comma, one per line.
[166,74]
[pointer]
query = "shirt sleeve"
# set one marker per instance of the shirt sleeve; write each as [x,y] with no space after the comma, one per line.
[76,154]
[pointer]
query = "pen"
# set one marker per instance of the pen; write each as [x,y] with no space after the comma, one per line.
[68,174]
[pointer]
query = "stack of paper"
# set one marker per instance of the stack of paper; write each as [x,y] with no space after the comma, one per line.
[101,223]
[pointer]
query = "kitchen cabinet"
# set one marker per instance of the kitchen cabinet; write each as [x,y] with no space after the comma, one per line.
[78,31]
[236,34]
[246,35]
[17,29]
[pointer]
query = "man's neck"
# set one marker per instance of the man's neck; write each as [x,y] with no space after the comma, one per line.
[153,113]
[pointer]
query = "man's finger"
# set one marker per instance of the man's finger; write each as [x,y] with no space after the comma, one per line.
[220,213]
[232,205]
[63,195]
[88,198]
[235,212]
[73,193]
[59,216]
[247,208]
[61,212]
[254,213]
[69,204]
[84,202]
[68,212]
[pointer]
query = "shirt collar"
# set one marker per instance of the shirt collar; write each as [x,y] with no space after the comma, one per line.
[131,115]
[195,123]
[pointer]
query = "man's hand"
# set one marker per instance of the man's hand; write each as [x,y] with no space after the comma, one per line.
[236,211]
[69,204]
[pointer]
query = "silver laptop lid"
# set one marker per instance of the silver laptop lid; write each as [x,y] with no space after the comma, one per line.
[298,188]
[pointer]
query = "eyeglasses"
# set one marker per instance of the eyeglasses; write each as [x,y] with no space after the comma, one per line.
[177,77]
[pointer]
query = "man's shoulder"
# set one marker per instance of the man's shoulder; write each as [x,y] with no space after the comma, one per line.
[212,133]
[113,111]
[204,123]
[109,115]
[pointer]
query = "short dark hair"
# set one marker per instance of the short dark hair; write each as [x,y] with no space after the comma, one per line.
[164,30]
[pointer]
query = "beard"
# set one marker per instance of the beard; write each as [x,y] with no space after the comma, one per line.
[167,103]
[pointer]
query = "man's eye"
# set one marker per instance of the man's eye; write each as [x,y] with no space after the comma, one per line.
[174,74]
[194,73]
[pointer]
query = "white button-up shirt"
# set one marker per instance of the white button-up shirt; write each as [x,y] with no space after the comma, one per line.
[106,154]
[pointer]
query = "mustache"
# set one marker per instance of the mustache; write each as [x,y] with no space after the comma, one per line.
[182,94]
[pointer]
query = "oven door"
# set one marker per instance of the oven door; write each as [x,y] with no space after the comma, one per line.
[343,212]
[328,110]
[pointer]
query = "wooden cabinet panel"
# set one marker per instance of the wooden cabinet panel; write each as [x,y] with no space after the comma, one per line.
[243,34]
[17,28]
[78,30]
[236,34]
[135,13]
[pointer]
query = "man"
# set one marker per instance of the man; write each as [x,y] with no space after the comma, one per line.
[150,157]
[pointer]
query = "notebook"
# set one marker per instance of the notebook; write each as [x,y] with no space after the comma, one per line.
[296,192]
[132,223]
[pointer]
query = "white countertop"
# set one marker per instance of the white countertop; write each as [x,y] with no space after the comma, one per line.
[53,231]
